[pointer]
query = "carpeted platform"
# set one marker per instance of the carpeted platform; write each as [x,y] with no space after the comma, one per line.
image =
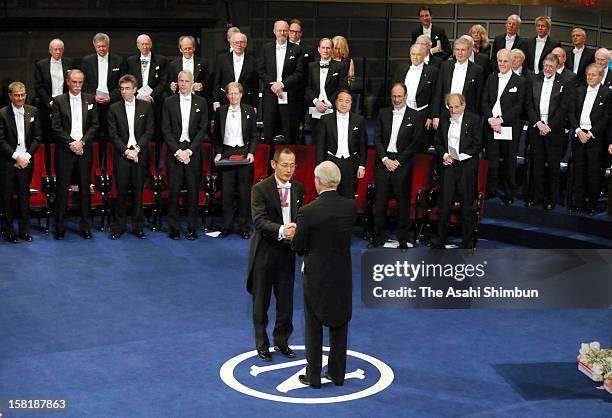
[135,328]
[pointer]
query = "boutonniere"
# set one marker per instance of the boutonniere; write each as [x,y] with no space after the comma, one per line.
[356,128]
[89,106]
[513,90]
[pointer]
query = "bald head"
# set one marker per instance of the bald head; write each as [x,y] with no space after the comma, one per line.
[144,44]
[56,48]
[327,176]
[561,56]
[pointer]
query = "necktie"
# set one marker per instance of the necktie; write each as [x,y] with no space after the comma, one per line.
[143,65]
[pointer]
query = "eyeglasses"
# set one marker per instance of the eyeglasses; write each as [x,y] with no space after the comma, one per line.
[295,31]
[287,165]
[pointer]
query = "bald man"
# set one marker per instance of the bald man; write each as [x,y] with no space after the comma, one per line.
[602,58]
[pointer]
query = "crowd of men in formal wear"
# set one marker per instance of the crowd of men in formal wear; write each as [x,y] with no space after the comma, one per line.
[459,99]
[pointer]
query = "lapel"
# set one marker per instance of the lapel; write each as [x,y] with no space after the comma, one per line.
[84,107]
[556,91]
[275,196]
[469,76]
[293,204]
[138,71]
[581,96]
[124,118]
[444,125]
[290,52]
[109,72]
[330,71]
[223,117]
[243,121]
[424,78]
[464,128]
[405,121]
[538,84]
[510,85]
[65,70]
[193,113]
[27,115]
[12,123]
[351,131]
[598,99]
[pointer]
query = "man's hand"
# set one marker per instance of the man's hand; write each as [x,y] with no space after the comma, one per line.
[289,230]
[391,164]
[146,98]
[428,123]
[100,99]
[197,87]
[250,157]
[216,105]
[584,137]
[277,88]
[610,149]
[321,106]
[217,158]
[543,128]
[132,154]
[183,156]
[360,172]
[21,162]
[495,124]
[435,123]
[173,86]
[77,147]
[448,160]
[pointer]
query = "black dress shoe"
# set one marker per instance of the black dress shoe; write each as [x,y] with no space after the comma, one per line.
[328,377]
[264,354]
[11,237]
[403,245]
[58,235]
[285,351]
[305,381]
[139,233]
[191,235]
[175,234]
[116,235]
[24,236]
[86,234]
[224,233]
[245,235]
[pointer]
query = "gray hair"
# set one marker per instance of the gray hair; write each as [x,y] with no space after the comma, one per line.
[56,41]
[328,174]
[466,40]
[101,37]
[514,18]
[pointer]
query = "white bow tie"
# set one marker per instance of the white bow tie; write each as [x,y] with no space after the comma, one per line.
[279,47]
[504,76]
[19,111]
[284,186]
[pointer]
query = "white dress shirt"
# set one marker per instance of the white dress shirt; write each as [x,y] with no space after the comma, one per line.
[413,76]
[322,78]
[501,86]
[19,123]
[427,31]
[510,42]
[185,102]
[577,57]
[76,114]
[130,111]
[145,69]
[281,51]
[454,134]
[459,74]
[233,128]
[342,123]
[398,117]
[188,65]
[539,48]
[102,73]
[587,107]
[57,77]
[547,87]
[238,61]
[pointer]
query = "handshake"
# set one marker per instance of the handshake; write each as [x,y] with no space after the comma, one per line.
[289,230]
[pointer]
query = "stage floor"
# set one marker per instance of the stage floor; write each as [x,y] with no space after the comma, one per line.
[135,328]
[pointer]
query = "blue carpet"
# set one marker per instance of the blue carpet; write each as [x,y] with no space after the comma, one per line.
[135,328]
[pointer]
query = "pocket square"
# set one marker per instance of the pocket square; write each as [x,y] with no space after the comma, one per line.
[356,128]
[305,55]
[157,68]
[197,109]
[90,106]
[334,74]
[513,90]
[291,57]
[141,116]
[116,69]
[561,89]
[248,116]
[410,124]
[32,119]
[600,103]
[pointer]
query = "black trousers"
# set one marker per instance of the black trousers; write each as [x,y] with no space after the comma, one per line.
[189,174]
[458,180]
[65,162]
[129,176]
[547,153]
[279,118]
[15,180]
[399,183]
[587,171]
[236,188]
[273,273]
[338,337]
[348,172]
[507,150]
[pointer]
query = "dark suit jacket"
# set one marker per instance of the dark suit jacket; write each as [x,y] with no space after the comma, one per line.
[337,78]
[158,73]
[249,128]
[8,132]
[292,70]
[323,236]
[42,78]
[357,137]
[409,137]
[425,94]
[500,43]
[119,132]
[200,69]
[61,120]
[268,218]
[558,104]
[587,57]
[607,82]
[437,34]
[308,56]
[172,123]
[470,139]
[435,61]
[601,113]
[530,52]
[224,74]
[472,87]
[484,62]
[511,101]
[116,69]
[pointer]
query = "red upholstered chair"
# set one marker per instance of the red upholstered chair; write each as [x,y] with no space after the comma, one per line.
[364,198]
[100,189]
[455,215]
[148,192]
[40,189]
[306,160]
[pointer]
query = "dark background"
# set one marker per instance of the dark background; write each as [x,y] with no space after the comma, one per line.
[375,31]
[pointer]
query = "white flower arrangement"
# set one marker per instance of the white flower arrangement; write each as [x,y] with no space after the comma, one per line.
[596,363]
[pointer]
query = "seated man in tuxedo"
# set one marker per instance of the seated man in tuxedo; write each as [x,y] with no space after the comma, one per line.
[20,135]
[461,76]
[503,101]
[458,143]
[74,122]
[441,45]
[236,66]
[236,135]
[130,127]
[50,81]
[188,61]
[185,118]
[280,69]
[548,110]
[397,137]
[590,115]
[323,236]
[325,78]
[343,140]
[274,205]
